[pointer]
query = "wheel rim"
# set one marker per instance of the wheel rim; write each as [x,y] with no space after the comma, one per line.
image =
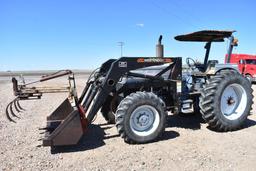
[233,101]
[144,120]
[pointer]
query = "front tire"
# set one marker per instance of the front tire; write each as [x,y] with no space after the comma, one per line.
[141,117]
[109,108]
[107,112]
[226,101]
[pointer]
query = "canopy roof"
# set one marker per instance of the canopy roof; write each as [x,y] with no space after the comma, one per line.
[205,36]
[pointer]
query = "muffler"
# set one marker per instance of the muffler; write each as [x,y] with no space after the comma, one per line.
[160,48]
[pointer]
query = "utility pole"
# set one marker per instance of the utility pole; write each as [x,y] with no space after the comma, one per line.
[121,44]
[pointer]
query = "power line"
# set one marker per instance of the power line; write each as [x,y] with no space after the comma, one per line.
[179,18]
[188,14]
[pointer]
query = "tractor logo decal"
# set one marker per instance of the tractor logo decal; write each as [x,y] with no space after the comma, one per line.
[122,64]
[140,60]
[168,60]
[154,60]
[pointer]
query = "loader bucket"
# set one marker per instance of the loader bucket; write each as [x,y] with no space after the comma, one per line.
[64,126]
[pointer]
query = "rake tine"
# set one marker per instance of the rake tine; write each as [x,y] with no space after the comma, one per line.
[7,113]
[15,105]
[11,109]
[18,103]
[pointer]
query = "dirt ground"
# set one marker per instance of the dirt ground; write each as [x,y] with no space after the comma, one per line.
[187,143]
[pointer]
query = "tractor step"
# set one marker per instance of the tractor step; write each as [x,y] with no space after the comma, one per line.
[187,106]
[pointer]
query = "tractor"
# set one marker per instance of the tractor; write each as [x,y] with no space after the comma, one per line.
[136,93]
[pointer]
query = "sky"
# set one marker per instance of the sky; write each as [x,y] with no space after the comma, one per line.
[82,34]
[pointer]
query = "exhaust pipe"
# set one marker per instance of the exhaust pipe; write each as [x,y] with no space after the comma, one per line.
[233,42]
[160,48]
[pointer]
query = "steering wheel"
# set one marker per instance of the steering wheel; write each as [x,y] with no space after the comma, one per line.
[188,62]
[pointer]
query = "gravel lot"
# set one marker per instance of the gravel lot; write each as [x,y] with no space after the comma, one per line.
[187,143]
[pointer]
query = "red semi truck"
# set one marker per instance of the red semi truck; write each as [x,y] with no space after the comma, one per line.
[246,64]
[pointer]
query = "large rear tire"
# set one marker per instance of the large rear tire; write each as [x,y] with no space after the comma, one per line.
[141,117]
[226,101]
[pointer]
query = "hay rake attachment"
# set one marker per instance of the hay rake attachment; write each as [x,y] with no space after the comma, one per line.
[26,92]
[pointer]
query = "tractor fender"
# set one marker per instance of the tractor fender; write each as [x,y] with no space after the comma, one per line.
[219,67]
